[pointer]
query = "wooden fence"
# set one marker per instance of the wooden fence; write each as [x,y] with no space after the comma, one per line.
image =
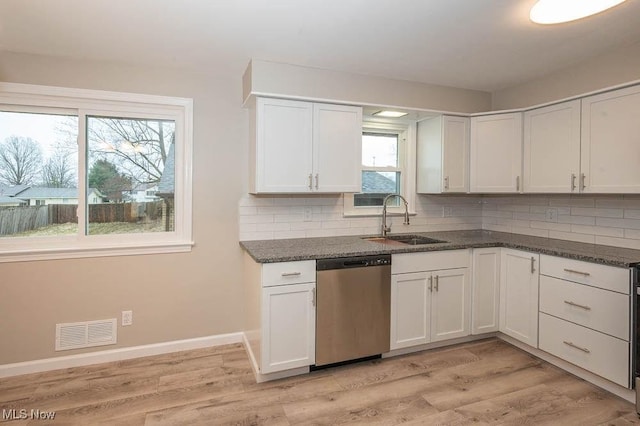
[14,220]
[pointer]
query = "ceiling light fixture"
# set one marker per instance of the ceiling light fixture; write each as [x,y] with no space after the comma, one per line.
[390,114]
[557,11]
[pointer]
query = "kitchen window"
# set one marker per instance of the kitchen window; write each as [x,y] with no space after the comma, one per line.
[384,169]
[70,161]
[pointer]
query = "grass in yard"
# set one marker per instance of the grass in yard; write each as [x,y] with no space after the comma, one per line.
[94,229]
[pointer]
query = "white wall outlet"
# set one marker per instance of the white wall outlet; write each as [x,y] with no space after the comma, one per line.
[308,214]
[127,318]
[551,215]
[447,211]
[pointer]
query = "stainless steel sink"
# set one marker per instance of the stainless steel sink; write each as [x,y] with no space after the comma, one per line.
[413,240]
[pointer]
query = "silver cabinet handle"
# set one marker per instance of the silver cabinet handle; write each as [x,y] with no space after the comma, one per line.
[437,279]
[317,180]
[313,297]
[573,182]
[431,283]
[310,181]
[517,183]
[533,264]
[291,274]
[583,185]
[577,305]
[446,182]
[585,350]
[573,271]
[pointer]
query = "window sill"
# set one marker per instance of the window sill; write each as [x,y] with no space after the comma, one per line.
[102,251]
[390,213]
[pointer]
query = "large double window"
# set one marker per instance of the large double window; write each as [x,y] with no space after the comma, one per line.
[85,173]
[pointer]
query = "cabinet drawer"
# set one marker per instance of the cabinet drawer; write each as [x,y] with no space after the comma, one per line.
[603,276]
[419,262]
[601,310]
[283,273]
[603,355]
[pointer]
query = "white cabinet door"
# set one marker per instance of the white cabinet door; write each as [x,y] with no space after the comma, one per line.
[496,153]
[611,142]
[410,309]
[485,309]
[283,148]
[450,301]
[337,147]
[552,148]
[455,154]
[443,155]
[288,327]
[519,295]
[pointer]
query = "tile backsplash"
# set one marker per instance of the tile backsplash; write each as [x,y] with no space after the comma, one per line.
[274,217]
[601,219]
[612,220]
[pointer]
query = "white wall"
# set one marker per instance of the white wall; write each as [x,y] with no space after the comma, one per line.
[613,68]
[173,296]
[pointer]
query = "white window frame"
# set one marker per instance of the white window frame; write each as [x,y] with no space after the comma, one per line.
[406,132]
[83,103]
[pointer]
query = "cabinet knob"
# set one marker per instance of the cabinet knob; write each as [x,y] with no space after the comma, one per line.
[446,182]
[317,180]
[583,185]
[573,182]
[533,263]
[431,283]
[310,182]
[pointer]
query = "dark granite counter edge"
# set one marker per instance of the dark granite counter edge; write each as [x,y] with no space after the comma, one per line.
[272,251]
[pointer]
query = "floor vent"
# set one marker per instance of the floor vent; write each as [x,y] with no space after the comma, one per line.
[76,335]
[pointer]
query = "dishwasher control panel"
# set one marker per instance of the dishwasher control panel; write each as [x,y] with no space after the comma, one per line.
[353,262]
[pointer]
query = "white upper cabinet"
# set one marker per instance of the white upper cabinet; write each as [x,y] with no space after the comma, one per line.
[443,155]
[610,154]
[337,148]
[304,147]
[552,148]
[496,153]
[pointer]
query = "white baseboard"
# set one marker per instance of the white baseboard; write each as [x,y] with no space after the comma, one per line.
[79,360]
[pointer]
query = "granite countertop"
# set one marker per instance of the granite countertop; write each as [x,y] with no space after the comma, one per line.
[269,251]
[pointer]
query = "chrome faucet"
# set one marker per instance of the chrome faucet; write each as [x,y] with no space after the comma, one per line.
[386,228]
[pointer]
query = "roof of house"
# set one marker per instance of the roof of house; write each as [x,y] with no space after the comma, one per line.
[168,179]
[4,200]
[11,191]
[48,193]
[377,183]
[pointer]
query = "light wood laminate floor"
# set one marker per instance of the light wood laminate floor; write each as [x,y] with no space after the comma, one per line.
[480,383]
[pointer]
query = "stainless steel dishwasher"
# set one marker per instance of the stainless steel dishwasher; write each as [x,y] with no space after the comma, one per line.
[353,304]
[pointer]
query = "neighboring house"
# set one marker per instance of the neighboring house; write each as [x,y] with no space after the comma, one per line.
[42,196]
[141,194]
[377,183]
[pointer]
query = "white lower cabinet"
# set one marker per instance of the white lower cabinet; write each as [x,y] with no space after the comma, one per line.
[597,352]
[485,291]
[585,312]
[519,295]
[281,315]
[289,327]
[429,306]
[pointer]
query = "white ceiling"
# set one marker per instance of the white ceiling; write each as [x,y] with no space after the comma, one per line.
[477,44]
